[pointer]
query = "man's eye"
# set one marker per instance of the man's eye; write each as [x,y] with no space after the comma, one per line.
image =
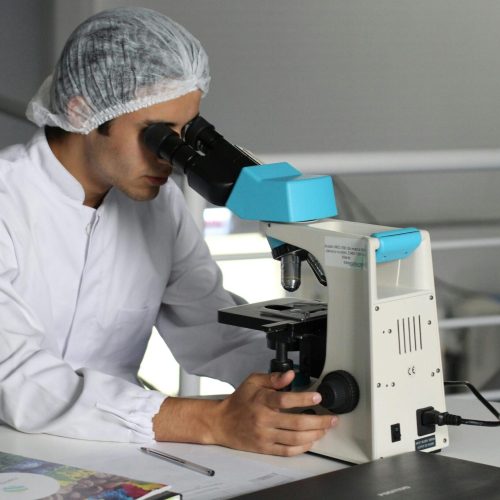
[185,128]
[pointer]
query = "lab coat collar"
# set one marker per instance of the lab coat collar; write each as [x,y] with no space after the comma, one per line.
[40,153]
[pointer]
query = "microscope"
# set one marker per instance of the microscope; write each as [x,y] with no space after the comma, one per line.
[372,348]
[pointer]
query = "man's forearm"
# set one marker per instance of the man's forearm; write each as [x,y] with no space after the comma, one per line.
[186,420]
[254,418]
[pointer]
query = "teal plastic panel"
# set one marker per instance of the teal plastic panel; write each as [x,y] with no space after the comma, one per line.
[278,192]
[397,243]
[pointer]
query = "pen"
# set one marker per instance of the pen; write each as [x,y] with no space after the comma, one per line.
[179,461]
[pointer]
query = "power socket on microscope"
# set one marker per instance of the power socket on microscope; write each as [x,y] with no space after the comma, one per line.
[423,429]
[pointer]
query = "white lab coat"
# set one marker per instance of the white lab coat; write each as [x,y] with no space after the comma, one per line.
[80,290]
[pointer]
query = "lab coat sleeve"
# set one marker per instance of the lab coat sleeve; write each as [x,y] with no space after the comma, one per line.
[188,315]
[40,393]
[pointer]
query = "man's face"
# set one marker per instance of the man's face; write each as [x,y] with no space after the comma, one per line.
[121,158]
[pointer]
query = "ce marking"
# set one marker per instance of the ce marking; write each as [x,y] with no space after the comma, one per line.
[411,370]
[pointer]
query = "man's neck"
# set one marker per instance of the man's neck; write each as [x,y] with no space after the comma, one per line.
[70,150]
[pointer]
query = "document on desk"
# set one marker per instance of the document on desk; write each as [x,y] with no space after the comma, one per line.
[26,478]
[235,472]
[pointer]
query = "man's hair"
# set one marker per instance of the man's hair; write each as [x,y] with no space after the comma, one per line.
[103,128]
[57,132]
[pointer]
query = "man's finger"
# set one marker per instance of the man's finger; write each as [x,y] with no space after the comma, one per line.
[301,422]
[284,450]
[275,380]
[292,438]
[280,380]
[287,400]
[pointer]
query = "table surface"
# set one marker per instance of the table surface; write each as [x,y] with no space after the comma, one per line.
[237,472]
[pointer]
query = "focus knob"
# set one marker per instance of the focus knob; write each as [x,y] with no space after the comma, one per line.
[339,392]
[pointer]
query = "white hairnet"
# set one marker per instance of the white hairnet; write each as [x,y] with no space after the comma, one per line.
[115,62]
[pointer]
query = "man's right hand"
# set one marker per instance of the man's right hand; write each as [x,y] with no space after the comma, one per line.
[251,419]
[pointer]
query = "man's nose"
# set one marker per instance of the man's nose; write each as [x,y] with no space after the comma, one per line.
[165,166]
[162,161]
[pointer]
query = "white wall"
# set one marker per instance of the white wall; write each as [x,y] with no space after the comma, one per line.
[25,44]
[358,76]
[294,76]
[307,77]
[312,78]
[321,78]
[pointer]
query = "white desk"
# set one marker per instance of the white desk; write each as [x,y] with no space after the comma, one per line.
[236,472]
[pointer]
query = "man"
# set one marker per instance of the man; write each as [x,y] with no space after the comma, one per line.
[96,247]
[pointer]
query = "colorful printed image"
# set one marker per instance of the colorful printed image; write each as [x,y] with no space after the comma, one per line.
[79,483]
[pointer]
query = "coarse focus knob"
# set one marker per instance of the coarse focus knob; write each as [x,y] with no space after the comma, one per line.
[339,392]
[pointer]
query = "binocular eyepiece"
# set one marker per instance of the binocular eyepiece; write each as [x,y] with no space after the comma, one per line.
[211,164]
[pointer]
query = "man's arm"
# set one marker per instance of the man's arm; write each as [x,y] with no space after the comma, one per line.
[40,392]
[250,419]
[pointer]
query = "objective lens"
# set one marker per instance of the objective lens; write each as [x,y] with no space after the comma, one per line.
[290,272]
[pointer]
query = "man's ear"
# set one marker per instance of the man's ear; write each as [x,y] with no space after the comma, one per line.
[78,111]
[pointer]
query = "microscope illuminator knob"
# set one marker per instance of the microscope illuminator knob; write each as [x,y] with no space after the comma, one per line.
[339,392]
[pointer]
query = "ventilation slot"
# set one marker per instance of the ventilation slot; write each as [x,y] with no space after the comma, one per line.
[409,334]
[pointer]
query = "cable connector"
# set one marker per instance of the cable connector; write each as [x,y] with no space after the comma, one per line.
[428,417]
[434,417]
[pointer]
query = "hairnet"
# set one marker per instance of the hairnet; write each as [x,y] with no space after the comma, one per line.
[115,62]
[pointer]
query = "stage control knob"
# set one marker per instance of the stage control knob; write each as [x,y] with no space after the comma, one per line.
[339,392]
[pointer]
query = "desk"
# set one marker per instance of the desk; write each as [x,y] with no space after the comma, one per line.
[237,472]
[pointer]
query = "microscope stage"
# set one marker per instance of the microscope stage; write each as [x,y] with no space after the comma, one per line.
[269,314]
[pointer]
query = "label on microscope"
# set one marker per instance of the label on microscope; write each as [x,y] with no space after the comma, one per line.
[345,252]
[425,442]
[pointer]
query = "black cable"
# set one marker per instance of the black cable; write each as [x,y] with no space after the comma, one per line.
[434,417]
[483,423]
[482,399]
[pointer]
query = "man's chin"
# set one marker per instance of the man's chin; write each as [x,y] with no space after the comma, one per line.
[142,194]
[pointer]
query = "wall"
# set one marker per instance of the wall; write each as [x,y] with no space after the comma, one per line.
[25,44]
[293,76]
[320,81]
[310,77]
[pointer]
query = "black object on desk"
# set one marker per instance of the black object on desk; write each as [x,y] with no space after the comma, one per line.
[410,476]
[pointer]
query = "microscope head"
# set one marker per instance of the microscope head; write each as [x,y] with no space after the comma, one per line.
[226,175]
[212,165]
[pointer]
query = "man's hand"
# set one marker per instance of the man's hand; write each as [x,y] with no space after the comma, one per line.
[250,419]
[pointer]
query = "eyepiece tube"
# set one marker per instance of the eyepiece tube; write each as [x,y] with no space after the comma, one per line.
[166,144]
[202,136]
[212,164]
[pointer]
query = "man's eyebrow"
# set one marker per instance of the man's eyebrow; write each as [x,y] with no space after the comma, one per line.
[154,122]
[146,123]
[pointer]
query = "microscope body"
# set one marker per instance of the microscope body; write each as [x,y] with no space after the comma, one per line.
[382,329]
[376,337]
